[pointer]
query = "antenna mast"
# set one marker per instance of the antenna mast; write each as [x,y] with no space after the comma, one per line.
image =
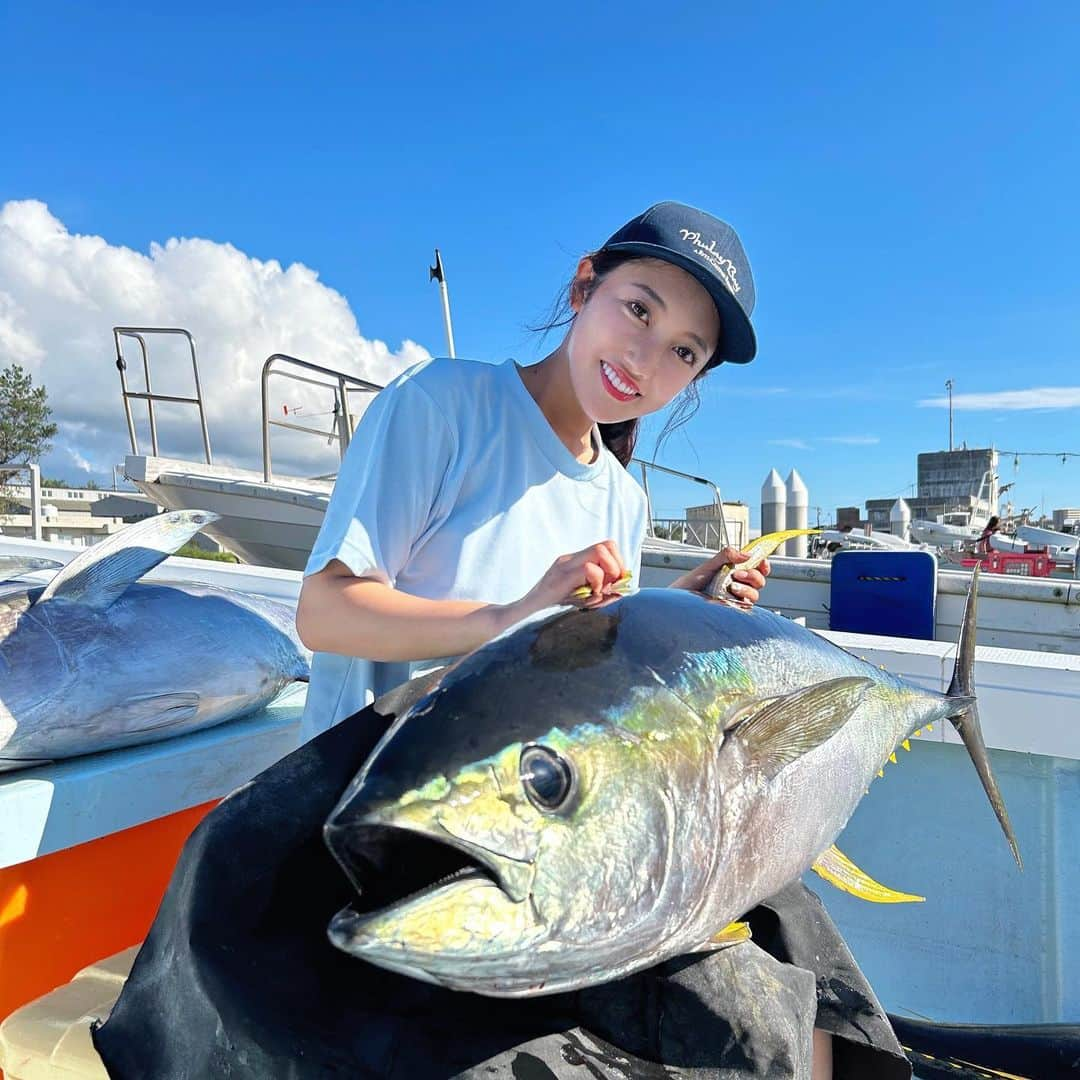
[438,274]
[948,387]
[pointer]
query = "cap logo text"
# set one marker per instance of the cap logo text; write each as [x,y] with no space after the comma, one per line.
[723,266]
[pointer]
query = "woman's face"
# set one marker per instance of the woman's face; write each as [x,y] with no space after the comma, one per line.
[639,338]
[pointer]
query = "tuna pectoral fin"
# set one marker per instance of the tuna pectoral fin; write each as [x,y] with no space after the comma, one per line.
[22,763]
[13,566]
[732,934]
[837,869]
[148,712]
[965,717]
[795,724]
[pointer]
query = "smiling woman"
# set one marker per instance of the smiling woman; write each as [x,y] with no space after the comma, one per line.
[515,492]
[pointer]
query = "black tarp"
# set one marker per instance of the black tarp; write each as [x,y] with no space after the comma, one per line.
[237,979]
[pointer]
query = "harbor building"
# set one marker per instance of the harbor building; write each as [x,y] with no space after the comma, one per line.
[702,525]
[1067,519]
[79,516]
[67,514]
[953,485]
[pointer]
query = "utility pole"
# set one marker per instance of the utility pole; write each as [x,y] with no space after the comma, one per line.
[948,387]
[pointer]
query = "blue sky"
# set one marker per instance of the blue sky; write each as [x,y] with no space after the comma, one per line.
[904,177]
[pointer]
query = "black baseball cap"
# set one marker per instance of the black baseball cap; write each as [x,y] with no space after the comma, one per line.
[708,249]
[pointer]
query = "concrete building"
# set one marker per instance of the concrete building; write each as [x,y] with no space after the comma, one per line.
[954,511]
[67,514]
[703,524]
[1067,520]
[945,475]
[953,485]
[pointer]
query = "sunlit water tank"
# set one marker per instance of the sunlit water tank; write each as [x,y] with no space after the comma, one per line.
[798,507]
[773,504]
[900,519]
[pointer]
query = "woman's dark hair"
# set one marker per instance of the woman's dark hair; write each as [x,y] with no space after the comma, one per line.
[621,438]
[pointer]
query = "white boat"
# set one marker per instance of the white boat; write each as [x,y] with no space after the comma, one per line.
[267,518]
[959,527]
[1064,548]
[857,541]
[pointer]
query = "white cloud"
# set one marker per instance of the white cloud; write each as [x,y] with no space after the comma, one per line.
[61,294]
[795,444]
[852,440]
[1037,397]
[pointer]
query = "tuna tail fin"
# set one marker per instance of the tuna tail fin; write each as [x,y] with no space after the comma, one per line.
[966,718]
[100,574]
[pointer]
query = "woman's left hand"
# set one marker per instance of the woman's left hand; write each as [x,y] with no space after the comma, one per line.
[744,585]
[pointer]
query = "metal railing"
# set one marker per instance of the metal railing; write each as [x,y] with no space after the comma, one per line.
[34,472]
[139,334]
[704,534]
[342,385]
[721,522]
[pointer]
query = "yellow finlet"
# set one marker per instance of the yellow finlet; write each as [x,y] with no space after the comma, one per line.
[732,934]
[837,869]
[758,552]
[906,745]
[620,586]
[892,757]
[929,727]
[881,773]
[918,732]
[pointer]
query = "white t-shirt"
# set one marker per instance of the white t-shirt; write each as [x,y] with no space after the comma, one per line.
[455,487]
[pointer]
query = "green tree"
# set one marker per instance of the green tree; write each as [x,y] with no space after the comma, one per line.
[25,426]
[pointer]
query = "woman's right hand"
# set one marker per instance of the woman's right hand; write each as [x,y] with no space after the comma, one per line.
[597,568]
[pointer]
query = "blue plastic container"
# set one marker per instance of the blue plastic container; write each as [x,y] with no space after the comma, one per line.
[884,592]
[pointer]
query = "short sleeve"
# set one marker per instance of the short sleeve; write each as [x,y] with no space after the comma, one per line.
[388,488]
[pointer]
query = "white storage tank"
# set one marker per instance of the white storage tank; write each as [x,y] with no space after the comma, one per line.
[773,504]
[900,519]
[798,509]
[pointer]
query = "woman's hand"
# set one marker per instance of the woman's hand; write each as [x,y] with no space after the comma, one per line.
[597,568]
[744,584]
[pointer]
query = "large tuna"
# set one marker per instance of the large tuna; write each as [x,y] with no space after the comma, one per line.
[599,790]
[95,660]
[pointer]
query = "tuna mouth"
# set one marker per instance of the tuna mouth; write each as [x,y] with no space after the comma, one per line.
[389,866]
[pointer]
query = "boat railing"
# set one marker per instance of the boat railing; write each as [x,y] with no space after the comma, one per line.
[139,334]
[280,365]
[720,525]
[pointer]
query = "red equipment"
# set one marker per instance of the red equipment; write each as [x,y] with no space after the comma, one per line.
[1020,564]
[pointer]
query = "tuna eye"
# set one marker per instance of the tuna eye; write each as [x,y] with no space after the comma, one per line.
[546,777]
